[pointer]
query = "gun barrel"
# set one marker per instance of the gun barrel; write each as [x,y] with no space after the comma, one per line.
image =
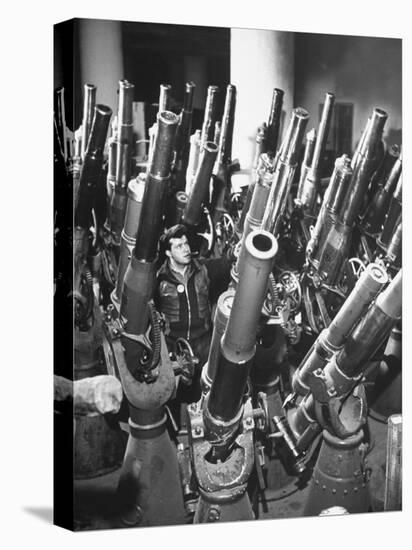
[378,207]
[372,330]
[323,131]
[394,253]
[92,166]
[60,118]
[394,212]
[368,286]
[210,116]
[308,188]
[200,188]
[183,133]
[226,132]
[284,170]
[125,113]
[364,167]
[158,174]
[307,160]
[222,313]
[89,102]
[164,97]
[135,193]
[238,344]
[273,126]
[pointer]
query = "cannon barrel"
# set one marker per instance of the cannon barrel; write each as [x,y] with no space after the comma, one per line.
[370,283]
[274,121]
[60,118]
[135,193]
[372,330]
[210,116]
[164,97]
[182,143]
[378,207]
[364,167]
[125,113]
[345,369]
[158,174]
[307,192]
[260,196]
[307,157]
[200,188]
[89,102]
[330,241]
[228,120]
[394,212]
[238,344]
[284,170]
[139,279]
[92,166]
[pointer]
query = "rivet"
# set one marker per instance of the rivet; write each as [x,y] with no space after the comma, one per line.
[356,489]
[345,492]
[334,491]
[323,487]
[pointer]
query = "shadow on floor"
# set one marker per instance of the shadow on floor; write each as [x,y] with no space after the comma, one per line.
[43,513]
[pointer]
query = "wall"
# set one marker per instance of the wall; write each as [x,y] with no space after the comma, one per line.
[361,70]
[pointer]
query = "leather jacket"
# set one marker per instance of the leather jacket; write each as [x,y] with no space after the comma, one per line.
[184,301]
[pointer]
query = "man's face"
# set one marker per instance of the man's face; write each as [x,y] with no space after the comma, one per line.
[180,251]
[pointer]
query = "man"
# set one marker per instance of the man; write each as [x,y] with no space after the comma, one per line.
[183,297]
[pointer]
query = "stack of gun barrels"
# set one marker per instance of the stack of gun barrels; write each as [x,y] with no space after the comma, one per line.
[304,367]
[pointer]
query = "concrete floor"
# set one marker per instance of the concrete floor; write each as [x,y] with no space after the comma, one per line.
[95,499]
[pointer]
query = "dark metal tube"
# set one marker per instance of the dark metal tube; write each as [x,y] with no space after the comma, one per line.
[372,330]
[210,117]
[135,193]
[194,153]
[89,101]
[377,209]
[164,97]
[364,167]
[223,308]
[60,118]
[330,241]
[285,170]
[200,188]
[394,212]
[238,344]
[393,478]
[368,286]
[119,195]
[111,170]
[338,184]
[183,137]
[92,166]
[226,133]
[309,189]
[125,114]
[265,163]
[381,175]
[274,121]
[258,203]
[260,144]
[323,131]
[394,253]
[307,159]
[158,174]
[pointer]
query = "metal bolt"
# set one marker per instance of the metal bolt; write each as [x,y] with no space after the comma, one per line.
[214,514]
[198,430]
[334,491]
[356,489]
[345,492]
[340,458]
[323,487]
